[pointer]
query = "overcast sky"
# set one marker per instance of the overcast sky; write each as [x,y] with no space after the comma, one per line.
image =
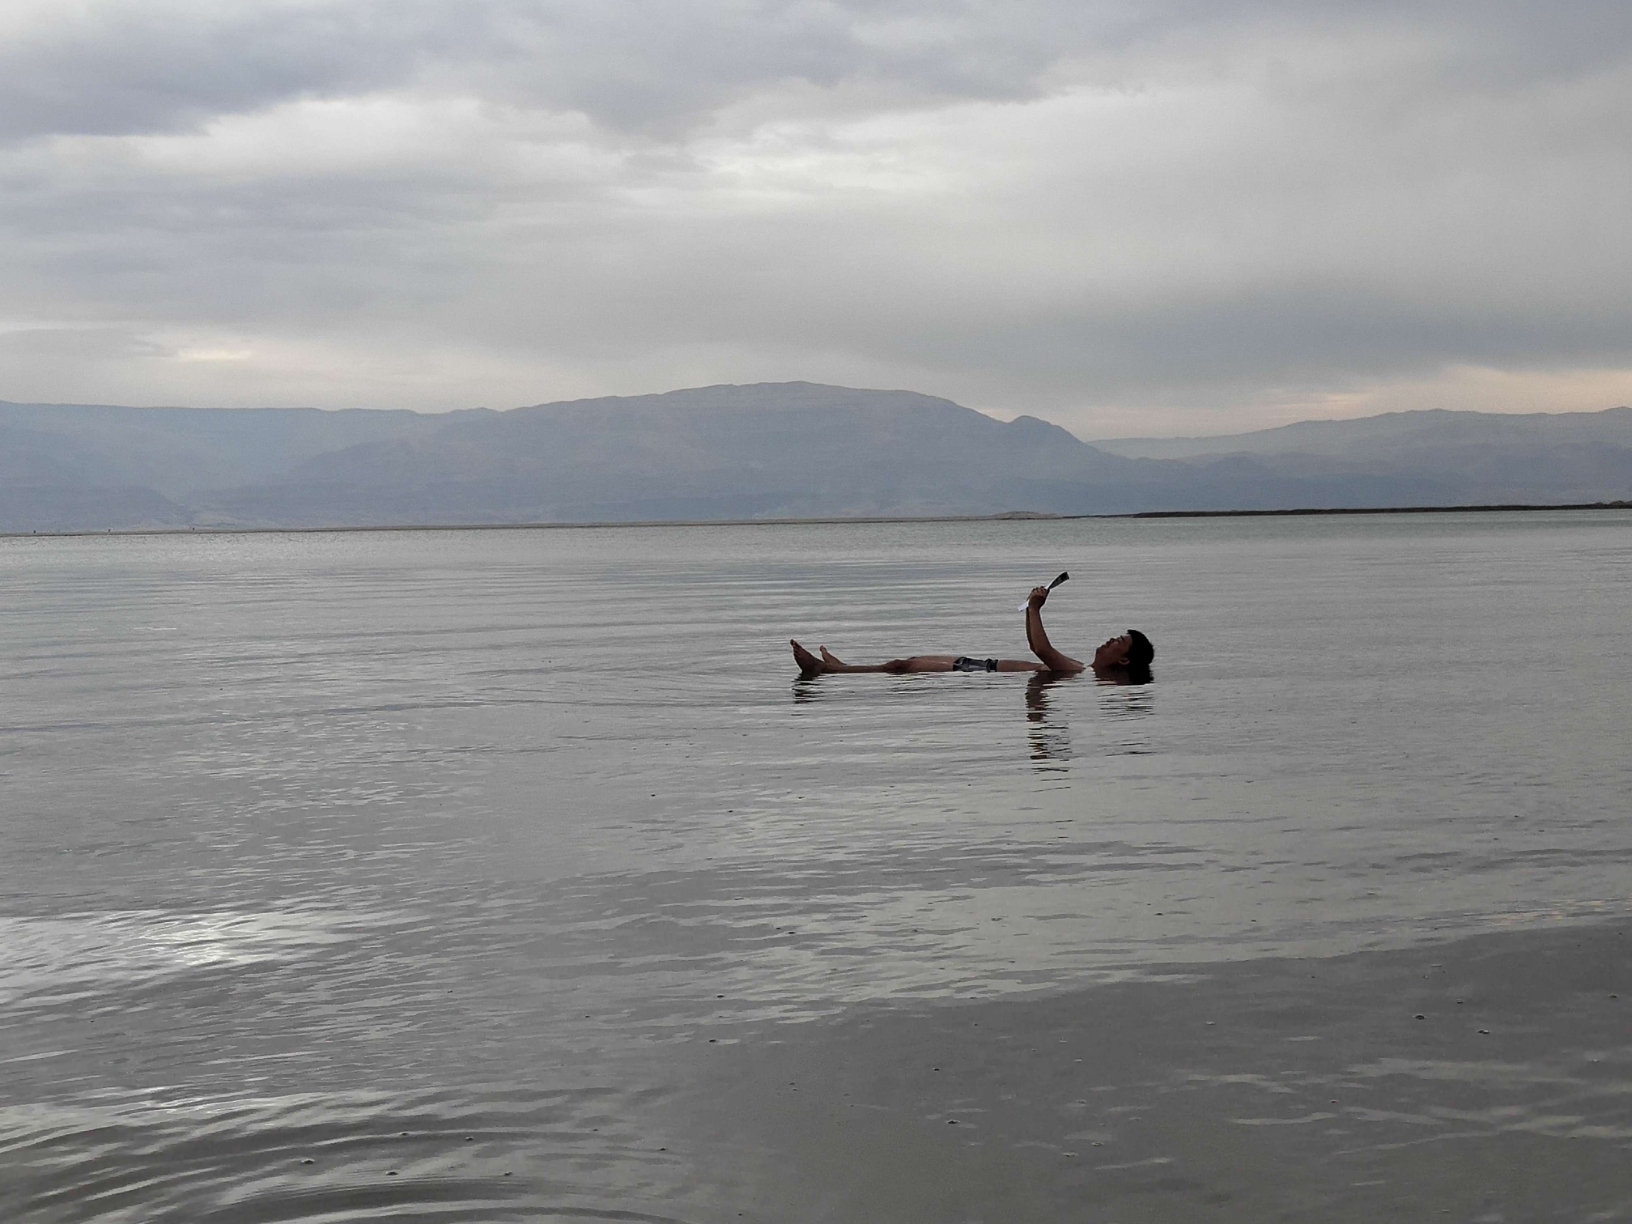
[1134,217]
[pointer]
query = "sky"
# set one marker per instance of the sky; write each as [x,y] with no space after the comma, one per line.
[1131,218]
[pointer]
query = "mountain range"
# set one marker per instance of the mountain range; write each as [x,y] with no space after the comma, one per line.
[770,450]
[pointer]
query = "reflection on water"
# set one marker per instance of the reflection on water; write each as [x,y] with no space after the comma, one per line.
[1050,739]
[807,688]
[429,832]
[51,959]
[1048,732]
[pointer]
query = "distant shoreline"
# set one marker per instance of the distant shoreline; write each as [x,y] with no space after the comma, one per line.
[1007,517]
[1613,505]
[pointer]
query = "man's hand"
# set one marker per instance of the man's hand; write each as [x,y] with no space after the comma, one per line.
[1039,596]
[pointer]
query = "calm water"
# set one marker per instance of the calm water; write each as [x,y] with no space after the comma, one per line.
[417,855]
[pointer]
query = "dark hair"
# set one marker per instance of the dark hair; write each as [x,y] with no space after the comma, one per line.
[1140,651]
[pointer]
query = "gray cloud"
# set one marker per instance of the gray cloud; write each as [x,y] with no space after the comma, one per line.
[113,67]
[168,66]
[1069,208]
[77,344]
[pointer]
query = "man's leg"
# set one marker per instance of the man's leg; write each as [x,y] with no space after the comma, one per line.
[936,663]
[831,662]
[917,663]
[914,663]
[809,664]
[922,663]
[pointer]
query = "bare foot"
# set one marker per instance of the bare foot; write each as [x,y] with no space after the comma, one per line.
[831,659]
[809,664]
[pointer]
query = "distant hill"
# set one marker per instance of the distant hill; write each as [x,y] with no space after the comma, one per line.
[1436,457]
[740,452]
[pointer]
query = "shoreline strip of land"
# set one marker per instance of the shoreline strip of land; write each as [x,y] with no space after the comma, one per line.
[820,520]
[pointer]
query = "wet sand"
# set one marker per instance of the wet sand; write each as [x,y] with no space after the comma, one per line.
[1488,1079]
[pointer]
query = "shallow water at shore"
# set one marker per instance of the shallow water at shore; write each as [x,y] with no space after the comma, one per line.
[314,839]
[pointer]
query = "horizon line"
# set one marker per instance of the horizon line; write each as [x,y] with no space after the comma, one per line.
[1007,516]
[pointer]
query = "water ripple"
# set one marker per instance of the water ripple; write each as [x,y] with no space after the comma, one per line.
[483,1153]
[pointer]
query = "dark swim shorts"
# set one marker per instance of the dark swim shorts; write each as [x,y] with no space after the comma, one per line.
[965,663]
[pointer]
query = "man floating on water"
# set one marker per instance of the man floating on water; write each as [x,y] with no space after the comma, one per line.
[1124,659]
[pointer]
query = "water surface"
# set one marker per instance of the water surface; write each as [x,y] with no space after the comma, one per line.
[311,840]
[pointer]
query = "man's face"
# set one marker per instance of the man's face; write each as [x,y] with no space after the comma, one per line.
[1114,653]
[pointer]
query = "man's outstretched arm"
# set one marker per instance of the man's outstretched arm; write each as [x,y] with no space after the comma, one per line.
[1037,639]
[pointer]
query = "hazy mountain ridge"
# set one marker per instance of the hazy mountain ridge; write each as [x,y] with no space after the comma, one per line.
[765,450]
[179,451]
[1437,456]
[1389,433]
[781,449]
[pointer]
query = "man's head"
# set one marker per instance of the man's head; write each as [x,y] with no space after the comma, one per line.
[1140,652]
[1132,652]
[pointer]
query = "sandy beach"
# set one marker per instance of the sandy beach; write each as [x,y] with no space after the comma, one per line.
[1487,1079]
